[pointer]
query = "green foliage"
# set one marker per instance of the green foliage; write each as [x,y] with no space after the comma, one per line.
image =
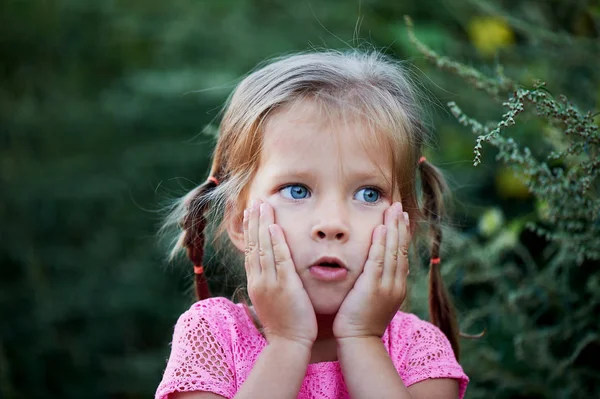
[545,303]
[572,204]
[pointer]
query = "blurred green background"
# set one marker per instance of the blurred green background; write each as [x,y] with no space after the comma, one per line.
[102,109]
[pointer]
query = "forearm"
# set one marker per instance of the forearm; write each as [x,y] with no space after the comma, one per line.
[278,372]
[368,369]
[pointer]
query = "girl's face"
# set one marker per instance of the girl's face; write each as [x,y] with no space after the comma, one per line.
[329,190]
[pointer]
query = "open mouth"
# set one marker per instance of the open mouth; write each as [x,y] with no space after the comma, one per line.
[330,262]
[329,269]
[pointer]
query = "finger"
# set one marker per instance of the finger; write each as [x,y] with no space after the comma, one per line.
[247,264]
[265,249]
[404,238]
[376,257]
[252,257]
[284,264]
[391,246]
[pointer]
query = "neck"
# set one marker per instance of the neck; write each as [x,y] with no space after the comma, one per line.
[325,323]
[325,347]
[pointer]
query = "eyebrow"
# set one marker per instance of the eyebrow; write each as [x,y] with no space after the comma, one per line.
[289,173]
[303,174]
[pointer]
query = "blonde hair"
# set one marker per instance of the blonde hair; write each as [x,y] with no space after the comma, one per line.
[368,84]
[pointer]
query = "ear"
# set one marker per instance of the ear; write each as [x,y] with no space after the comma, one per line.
[235,229]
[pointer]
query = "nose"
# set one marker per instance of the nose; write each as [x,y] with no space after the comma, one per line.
[331,224]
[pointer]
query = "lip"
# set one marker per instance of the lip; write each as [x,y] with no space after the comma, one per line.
[328,274]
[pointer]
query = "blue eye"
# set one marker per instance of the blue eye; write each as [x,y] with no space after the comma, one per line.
[368,194]
[294,191]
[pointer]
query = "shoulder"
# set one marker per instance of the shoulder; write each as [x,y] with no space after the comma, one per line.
[413,332]
[217,316]
[217,308]
[420,350]
[407,329]
[202,356]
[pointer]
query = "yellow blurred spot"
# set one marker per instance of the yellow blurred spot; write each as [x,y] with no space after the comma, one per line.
[511,185]
[489,34]
[542,209]
[491,221]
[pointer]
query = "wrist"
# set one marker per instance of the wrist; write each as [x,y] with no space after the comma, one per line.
[289,344]
[358,340]
[359,331]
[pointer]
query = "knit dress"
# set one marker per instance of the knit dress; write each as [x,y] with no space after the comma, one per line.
[215,345]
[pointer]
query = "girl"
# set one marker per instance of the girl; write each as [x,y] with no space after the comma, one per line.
[314,180]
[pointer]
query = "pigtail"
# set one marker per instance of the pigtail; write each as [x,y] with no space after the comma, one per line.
[441,308]
[194,225]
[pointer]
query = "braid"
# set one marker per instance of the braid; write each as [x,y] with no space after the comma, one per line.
[194,224]
[441,309]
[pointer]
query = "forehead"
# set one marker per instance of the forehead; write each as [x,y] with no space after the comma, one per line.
[309,133]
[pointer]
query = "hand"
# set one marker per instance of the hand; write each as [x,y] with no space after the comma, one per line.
[380,290]
[275,289]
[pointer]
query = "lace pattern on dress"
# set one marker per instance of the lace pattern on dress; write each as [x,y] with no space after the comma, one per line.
[215,345]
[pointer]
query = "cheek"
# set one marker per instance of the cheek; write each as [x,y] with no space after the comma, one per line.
[364,237]
[289,218]
[368,221]
[365,225]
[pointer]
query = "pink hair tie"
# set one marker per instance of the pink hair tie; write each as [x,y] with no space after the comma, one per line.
[214,180]
[198,269]
[435,261]
[422,159]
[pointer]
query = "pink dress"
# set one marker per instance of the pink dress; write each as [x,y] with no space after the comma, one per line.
[215,345]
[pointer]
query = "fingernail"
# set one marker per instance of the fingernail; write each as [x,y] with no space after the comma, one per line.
[405,216]
[272,229]
[263,208]
[381,232]
[245,214]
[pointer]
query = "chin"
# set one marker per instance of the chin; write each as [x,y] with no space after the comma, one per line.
[326,304]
